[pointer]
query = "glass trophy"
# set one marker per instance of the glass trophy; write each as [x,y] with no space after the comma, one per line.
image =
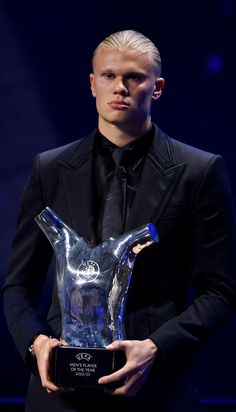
[92,284]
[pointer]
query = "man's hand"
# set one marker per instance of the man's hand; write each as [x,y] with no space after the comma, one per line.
[140,356]
[43,346]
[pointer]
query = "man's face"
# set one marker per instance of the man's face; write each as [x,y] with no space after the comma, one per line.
[124,84]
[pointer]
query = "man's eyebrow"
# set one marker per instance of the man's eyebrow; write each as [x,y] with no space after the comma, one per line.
[135,72]
[107,70]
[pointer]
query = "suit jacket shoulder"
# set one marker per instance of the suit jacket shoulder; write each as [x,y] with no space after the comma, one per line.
[65,153]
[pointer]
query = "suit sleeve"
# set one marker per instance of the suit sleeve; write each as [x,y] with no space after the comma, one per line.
[29,261]
[212,265]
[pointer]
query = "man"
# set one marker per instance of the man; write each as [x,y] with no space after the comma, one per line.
[183,191]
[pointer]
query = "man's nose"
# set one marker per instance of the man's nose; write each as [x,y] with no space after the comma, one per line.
[120,87]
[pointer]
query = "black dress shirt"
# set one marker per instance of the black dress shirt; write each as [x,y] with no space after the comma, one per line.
[132,164]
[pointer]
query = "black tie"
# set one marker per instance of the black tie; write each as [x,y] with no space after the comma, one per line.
[114,203]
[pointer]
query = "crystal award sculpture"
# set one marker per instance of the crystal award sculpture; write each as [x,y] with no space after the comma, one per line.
[92,284]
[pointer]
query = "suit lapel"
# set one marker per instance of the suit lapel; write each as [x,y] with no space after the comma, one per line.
[160,176]
[77,180]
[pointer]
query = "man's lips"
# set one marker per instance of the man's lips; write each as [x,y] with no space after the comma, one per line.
[120,105]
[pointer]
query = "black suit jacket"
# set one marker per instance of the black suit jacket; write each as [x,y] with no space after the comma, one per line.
[185,193]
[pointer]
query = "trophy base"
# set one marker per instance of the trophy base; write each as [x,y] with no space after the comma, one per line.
[75,367]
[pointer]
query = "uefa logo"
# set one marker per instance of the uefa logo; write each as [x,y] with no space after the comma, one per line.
[83,356]
[88,271]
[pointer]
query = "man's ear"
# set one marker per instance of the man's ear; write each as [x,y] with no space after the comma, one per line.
[159,86]
[91,78]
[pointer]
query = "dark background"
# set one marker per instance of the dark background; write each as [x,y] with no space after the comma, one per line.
[45,101]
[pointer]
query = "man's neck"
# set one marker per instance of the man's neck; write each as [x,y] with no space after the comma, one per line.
[123,136]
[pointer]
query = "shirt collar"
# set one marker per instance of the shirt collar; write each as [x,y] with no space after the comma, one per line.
[134,152]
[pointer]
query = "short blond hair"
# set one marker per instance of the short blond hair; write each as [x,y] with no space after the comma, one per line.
[132,40]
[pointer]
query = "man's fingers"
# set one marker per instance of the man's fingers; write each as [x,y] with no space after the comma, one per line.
[43,360]
[117,345]
[121,374]
[131,385]
[50,387]
[114,377]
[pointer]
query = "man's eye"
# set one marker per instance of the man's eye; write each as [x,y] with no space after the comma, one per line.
[135,77]
[108,75]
